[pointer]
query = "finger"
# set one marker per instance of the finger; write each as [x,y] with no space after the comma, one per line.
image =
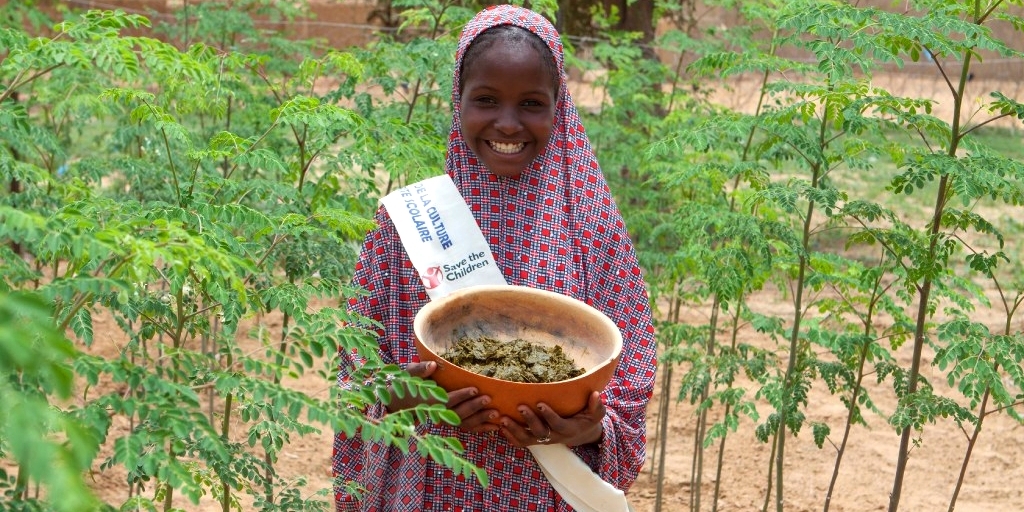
[421,370]
[540,430]
[595,406]
[534,422]
[473,406]
[516,433]
[461,395]
[480,421]
[550,417]
[403,399]
[587,426]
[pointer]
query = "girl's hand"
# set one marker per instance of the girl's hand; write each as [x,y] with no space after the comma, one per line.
[466,402]
[544,426]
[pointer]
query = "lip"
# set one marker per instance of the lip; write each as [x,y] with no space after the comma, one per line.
[506,164]
[491,143]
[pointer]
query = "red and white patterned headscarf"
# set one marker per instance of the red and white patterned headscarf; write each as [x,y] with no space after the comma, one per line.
[555,227]
[543,224]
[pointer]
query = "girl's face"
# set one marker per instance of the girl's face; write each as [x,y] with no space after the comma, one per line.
[508,107]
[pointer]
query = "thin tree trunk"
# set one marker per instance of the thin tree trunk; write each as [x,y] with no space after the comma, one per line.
[15,185]
[771,468]
[728,408]
[666,387]
[924,296]
[698,455]
[794,347]
[970,449]
[268,487]
[225,431]
[694,481]
[702,418]
[666,390]
[169,497]
[854,395]
[718,467]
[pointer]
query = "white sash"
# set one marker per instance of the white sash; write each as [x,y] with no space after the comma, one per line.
[441,237]
[449,252]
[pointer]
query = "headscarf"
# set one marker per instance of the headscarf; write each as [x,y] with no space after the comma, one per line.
[543,224]
[555,227]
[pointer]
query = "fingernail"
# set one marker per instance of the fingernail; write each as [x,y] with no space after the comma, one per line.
[522,411]
[485,400]
[492,415]
[540,407]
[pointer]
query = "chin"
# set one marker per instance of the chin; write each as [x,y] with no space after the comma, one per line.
[504,169]
[506,173]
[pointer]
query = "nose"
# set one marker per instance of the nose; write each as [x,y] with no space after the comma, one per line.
[507,121]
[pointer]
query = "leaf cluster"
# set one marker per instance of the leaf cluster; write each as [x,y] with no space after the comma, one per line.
[207,193]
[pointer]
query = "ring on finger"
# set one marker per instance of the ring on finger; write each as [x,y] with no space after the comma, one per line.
[545,439]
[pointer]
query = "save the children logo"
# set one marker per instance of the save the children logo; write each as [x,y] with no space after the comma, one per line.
[471,263]
[431,278]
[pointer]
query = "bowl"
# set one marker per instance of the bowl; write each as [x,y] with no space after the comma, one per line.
[505,313]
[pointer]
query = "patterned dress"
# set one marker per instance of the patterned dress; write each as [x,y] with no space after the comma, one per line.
[555,227]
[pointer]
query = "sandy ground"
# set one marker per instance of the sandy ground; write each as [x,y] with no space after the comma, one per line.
[992,481]
[867,470]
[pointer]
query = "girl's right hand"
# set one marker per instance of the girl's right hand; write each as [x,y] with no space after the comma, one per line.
[466,402]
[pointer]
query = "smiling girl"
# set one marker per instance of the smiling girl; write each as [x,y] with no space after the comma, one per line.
[520,158]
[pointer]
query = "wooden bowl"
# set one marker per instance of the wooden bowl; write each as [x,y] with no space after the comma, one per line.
[506,313]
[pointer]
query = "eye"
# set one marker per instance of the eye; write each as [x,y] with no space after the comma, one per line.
[484,100]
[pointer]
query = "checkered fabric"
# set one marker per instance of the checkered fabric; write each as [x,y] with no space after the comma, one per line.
[555,227]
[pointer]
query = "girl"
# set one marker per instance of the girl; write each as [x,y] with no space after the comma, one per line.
[522,161]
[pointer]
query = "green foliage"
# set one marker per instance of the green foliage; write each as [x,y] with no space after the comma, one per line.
[196,190]
[776,195]
[207,190]
[981,364]
[52,446]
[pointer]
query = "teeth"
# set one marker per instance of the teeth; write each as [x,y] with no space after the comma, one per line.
[506,148]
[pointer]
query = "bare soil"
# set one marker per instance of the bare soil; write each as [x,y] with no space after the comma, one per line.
[992,480]
[865,479]
[868,465]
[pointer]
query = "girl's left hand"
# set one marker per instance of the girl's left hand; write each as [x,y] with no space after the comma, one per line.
[544,426]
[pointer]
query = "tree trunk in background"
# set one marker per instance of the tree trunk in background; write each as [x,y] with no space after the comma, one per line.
[573,18]
[636,17]
[15,185]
